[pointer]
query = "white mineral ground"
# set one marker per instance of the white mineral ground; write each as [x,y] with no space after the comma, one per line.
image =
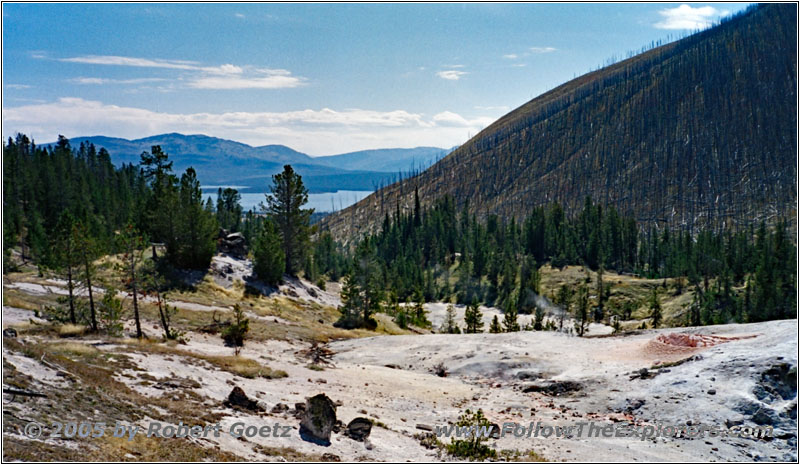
[391,379]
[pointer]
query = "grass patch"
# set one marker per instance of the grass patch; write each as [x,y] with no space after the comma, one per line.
[72,348]
[245,367]
[71,330]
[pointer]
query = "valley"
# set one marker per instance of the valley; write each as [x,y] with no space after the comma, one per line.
[387,375]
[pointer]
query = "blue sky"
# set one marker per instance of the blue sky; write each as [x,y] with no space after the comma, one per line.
[320,78]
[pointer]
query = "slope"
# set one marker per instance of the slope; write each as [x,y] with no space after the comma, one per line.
[699,132]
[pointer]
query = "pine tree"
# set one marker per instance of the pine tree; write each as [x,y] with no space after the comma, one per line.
[87,252]
[510,323]
[362,294]
[655,309]
[268,255]
[197,228]
[538,317]
[235,334]
[495,327]
[450,326]
[564,301]
[65,258]
[132,244]
[581,310]
[284,207]
[473,317]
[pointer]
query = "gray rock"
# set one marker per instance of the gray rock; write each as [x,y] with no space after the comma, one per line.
[238,399]
[318,420]
[359,428]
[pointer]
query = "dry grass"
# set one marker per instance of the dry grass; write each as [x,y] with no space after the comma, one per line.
[144,449]
[244,367]
[18,299]
[237,365]
[70,330]
[624,288]
[72,349]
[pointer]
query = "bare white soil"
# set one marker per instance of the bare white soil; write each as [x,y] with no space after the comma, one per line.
[391,380]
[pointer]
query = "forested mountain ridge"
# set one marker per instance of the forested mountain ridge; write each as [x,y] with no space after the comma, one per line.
[226,162]
[697,133]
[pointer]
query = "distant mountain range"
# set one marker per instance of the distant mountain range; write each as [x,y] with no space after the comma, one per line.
[225,162]
[698,133]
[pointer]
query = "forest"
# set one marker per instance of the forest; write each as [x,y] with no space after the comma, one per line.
[695,134]
[65,207]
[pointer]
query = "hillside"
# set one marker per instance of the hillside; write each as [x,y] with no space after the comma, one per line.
[388,160]
[699,132]
[226,162]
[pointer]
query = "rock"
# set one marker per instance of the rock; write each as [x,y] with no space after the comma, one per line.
[634,405]
[328,457]
[279,408]
[712,391]
[554,388]
[338,426]
[237,398]
[318,420]
[232,244]
[495,431]
[729,423]
[764,417]
[9,332]
[359,428]
[424,427]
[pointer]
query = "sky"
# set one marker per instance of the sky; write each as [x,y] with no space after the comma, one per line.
[320,78]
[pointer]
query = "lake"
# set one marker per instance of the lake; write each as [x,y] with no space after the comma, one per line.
[324,202]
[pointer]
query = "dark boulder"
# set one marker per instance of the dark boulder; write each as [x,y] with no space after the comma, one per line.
[238,399]
[359,429]
[318,420]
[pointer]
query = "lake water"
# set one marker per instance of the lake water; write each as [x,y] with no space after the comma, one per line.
[325,202]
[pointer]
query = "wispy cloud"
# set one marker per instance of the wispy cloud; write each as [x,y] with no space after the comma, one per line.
[511,56]
[687,17]
[114,60]
[318,132]
[542,49]
[451,74]
[17,86]
[262,79]
[226,76]
[102,81]
[239,15]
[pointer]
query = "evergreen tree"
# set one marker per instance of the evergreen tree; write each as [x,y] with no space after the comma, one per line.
[473,318]
[450,326]
[132,244]
[655,309]
[268,255]
[87,252]
[229,211]
[284,208]
[510,323]
[495,327]
[564,301]
[581,310]
[197,228]
[362,293]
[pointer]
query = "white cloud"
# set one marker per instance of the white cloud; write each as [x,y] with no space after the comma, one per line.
[317,132]
[510,56]
[239,15]
[451,74]
[17,86]
[226,76]
[114,60]
[101,81]
[687,17]
[543,49]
